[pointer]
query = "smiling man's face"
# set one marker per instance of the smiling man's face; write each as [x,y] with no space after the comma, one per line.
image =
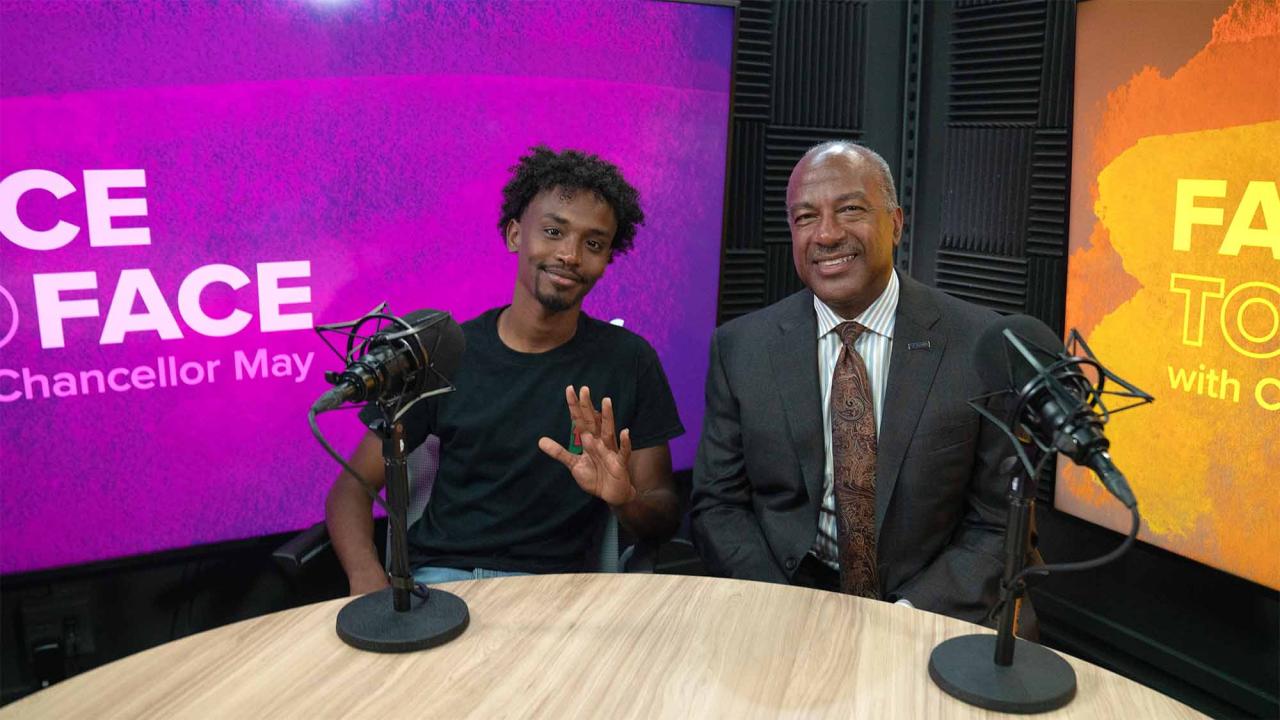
[843,230]
[564,240]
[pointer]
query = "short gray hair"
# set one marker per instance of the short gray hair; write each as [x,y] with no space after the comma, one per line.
[847,146]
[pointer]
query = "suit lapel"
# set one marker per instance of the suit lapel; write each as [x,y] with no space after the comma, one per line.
[794,354]
[911,374]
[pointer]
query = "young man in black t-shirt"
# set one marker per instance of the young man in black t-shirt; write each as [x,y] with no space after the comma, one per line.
[509,497]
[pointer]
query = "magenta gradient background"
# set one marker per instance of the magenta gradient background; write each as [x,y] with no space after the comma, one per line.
[372,141]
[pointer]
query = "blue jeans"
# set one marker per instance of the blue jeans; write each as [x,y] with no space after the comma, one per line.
[429,575]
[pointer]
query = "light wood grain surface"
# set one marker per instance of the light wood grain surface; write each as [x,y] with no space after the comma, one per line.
[606,646]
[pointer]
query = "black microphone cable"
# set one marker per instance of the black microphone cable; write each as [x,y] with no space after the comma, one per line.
[368,486]
[1076,566]
[420,590]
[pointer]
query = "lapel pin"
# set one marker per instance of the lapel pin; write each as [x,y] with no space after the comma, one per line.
[920,345]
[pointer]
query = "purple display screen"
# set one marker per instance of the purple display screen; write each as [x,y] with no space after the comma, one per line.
[187,188]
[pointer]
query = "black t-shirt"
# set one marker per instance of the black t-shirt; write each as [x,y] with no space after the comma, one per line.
[498,501]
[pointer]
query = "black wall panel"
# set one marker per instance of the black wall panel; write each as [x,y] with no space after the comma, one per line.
[912,87]
[780,275]
[1045,272]
[742,282]
[818,63]
[1004,151]
[995,281]
[753,61]
[997,56]
[1047,209]
[1058,67]
[744,217]
[984,206]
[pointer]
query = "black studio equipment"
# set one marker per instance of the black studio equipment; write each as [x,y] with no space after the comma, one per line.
[1055,402]
[394,363]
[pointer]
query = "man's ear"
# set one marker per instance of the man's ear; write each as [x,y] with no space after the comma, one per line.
[513,235]
[897,225]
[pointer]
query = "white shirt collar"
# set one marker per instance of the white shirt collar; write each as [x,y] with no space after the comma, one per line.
[878,317]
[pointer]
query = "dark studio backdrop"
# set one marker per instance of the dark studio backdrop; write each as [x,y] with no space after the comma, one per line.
[970,102]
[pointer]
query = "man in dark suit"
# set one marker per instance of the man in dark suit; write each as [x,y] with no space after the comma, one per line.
[795,481]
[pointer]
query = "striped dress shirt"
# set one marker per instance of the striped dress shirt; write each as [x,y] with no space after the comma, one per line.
[874,346]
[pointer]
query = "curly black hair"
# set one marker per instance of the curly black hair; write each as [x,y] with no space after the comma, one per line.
[571,171]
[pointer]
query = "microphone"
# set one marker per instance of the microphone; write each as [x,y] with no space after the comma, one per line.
[1054,403]
[414,356]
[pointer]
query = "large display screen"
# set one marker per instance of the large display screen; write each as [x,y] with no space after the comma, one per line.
[1174,271]
[186,188]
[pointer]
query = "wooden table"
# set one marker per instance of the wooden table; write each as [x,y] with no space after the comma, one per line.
[607,646]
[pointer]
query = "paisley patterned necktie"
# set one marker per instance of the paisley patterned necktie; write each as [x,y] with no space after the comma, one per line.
[853,461]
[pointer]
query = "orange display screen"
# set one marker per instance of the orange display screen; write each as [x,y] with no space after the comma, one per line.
[1174,269]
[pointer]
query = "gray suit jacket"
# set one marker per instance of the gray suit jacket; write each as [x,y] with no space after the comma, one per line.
[940,501]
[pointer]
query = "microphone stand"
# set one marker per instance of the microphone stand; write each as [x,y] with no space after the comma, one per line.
[1021,676]
[404,617]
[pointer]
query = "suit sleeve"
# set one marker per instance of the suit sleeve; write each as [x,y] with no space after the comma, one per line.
[723,521]
[963,581]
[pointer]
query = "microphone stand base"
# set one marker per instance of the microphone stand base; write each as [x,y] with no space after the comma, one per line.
[1037,681]
[371,622]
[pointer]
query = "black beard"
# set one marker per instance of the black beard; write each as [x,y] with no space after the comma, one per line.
[554,303]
